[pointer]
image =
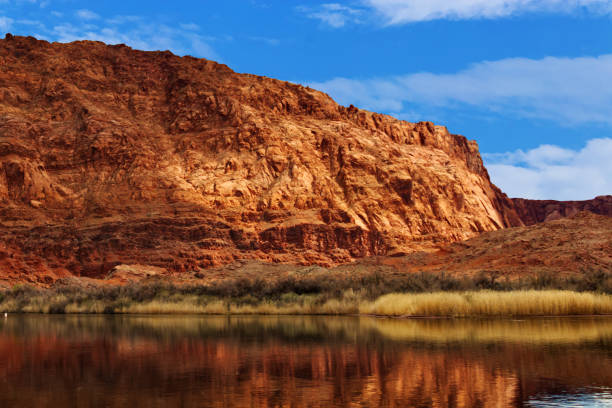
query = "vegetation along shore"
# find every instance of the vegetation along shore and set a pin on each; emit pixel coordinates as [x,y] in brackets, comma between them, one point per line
[414,295]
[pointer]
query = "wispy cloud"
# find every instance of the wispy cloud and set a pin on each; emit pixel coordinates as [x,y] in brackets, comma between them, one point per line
[565,90]
[332,14]
[138,33]
[395,12]
[118,20]
[5,23]
[85,14]
[411,11]
[189,26]
[553,172]
[41,3]
[152,34]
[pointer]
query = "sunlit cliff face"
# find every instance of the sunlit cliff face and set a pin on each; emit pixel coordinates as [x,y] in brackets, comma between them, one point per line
[118,152]
[215,362]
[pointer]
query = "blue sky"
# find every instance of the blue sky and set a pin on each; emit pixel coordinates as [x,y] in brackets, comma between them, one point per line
[528,79]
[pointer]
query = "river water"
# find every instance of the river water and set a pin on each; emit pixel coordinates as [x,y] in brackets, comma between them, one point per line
[189,361]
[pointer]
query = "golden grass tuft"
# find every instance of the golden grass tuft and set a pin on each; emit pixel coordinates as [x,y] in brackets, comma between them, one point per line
[489,303]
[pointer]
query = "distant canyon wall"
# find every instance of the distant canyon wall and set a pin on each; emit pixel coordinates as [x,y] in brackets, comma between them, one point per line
[536,211]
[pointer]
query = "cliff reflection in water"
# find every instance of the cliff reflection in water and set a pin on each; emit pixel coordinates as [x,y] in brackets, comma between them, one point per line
[298,361]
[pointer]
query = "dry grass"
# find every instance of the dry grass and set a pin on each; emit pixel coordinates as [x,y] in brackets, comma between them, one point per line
[489,303]
[162,300]
[183,307]
[290,305]
[330,307]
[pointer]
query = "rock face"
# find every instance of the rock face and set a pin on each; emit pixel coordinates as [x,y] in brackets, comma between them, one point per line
[114,156]
[535,211]
[573,245]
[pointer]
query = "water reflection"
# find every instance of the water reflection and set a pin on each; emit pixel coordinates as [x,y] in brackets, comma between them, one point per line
[92,361]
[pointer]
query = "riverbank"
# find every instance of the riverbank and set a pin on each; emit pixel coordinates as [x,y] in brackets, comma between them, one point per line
[167,299]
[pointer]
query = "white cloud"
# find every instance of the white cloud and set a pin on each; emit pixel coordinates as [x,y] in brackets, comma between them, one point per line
[190,26]
[5,24]
[30,22]
[410,11]
[201,48]
[20,2]
[565,90]
[393,12]
[87,15]
[138,33]
[116,20]
[375,94]
[552,172]
[333,14]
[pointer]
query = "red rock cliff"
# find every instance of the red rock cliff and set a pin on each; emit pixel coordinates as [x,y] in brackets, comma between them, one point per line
[535,211]
[110,155]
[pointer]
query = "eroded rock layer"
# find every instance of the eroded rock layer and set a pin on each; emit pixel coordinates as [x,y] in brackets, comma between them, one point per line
[566,247]
[535,211]
[114,156]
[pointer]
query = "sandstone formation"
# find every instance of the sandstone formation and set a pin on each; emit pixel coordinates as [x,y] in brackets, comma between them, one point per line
[563,247]
[113,156]
[120,164]
[535,211]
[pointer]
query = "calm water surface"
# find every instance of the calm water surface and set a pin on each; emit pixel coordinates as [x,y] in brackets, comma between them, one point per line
[141,361]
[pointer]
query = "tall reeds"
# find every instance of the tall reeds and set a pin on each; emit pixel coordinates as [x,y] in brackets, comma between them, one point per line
[490,303]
